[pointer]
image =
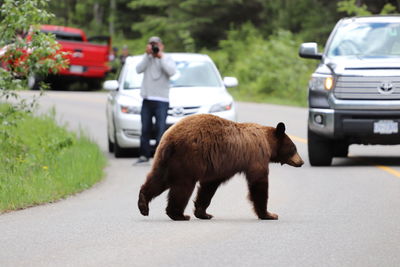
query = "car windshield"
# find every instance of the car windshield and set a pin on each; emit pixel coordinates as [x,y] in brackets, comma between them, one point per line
[363,39]
[188,74]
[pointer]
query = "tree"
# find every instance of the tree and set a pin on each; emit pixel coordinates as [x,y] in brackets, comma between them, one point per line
[192,24]
[25,51]
[365,8]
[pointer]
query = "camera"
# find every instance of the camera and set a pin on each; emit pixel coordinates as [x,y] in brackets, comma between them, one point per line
[155,49]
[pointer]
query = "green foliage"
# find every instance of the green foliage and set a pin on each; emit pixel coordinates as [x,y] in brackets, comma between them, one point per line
[42,162]
[35,154]
[351,8]
[18,16]
[25,52]
[266,69]
[310,19]
[193,24]
[388,9]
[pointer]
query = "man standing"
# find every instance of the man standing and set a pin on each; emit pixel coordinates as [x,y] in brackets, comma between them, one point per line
[157,68]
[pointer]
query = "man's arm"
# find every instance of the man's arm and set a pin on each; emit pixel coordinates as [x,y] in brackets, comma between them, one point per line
[168,65]
[141,67]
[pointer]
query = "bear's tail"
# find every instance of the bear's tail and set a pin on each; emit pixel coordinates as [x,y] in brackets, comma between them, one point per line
[156,181]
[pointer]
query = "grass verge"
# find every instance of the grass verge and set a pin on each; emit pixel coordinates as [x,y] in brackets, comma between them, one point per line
[42,162]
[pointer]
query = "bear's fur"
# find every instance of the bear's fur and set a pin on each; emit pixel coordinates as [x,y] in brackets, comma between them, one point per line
[210,150]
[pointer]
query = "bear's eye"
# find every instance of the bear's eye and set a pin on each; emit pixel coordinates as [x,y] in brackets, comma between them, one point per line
[287,151]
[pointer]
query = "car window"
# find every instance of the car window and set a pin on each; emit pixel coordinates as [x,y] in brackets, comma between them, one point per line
[366,40]
[188,74]
[66,36]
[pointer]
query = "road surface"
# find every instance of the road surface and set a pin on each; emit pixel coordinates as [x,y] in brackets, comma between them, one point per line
[344,215]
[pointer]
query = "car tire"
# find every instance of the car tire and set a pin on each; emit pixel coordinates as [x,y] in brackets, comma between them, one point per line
[136,152]
[119,152]
[94,84]
[34,82]
[341,149]
[320,150]
[110,145]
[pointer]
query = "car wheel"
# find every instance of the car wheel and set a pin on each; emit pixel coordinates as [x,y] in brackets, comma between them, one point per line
[94,84]
[119,152]
[341,148]
[320,150]
[34,82]
[136,152]
[110,145]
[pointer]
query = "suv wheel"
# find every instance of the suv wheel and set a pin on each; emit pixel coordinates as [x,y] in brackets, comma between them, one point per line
[118,151]
[320,150]
[341,148]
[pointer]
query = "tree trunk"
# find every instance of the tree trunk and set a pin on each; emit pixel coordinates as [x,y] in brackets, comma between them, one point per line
[111,26]
[98,13]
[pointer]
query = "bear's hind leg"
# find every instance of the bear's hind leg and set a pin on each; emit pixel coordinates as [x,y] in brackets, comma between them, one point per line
[259,197]
[204,195]
[151,189]
[178,199]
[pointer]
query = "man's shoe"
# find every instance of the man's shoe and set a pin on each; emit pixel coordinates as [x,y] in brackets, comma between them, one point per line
[141,159]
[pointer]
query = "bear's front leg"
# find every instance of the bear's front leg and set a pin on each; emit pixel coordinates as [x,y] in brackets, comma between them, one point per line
[259,197]
[269,216]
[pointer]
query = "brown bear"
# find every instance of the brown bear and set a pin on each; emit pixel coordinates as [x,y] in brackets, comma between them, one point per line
[210,150]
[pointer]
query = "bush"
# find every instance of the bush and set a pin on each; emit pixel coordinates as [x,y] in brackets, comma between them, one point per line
[268,70]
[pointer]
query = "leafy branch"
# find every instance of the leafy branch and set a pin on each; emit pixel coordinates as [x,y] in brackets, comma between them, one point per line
[24,52]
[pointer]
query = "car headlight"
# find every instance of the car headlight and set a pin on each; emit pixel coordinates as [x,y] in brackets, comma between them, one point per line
[221,107]
[323,82]
[130,109]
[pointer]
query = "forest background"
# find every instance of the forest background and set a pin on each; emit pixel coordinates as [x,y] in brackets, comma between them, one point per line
[256,41]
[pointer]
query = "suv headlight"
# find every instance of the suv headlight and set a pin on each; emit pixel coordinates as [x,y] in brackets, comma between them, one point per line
[130,109]
[221,107]
[321,82]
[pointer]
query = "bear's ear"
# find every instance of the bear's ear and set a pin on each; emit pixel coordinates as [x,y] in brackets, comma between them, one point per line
[280,129]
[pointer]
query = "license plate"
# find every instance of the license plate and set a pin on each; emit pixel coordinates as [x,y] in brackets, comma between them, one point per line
[386,127]
[76,69]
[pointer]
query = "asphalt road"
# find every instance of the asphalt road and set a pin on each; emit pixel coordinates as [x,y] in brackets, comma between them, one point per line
[344,215]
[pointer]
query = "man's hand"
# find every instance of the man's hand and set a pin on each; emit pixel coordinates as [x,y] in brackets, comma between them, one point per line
[158,55]
[149,51]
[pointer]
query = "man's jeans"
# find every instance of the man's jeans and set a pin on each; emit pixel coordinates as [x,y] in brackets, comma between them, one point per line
[150,109]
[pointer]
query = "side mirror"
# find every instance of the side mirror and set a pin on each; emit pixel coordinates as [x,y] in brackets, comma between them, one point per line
[111,85]
[309,50]
[230,82]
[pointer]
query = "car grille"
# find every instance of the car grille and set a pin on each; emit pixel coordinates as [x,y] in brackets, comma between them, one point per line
[358,87]
[182,111]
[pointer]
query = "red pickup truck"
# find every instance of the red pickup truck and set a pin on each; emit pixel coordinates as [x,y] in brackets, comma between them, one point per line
[88,57]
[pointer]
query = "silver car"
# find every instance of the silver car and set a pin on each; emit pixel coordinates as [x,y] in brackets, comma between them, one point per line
[197,87]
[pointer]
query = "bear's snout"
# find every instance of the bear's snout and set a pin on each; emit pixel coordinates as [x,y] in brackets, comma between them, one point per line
[295,160]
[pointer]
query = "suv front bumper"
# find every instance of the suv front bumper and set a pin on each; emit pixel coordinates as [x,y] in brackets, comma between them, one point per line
[357,126]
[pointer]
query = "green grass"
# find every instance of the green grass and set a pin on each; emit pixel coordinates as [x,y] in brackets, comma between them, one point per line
[42,162]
